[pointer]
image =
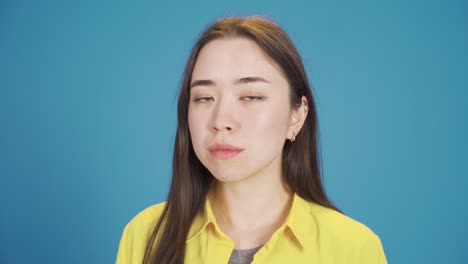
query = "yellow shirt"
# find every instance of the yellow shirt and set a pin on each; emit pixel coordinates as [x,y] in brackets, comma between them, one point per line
[310,234]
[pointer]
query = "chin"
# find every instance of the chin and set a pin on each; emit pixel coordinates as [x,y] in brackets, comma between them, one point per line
[227,177]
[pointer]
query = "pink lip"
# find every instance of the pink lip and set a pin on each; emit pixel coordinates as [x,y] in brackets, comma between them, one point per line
[224,151]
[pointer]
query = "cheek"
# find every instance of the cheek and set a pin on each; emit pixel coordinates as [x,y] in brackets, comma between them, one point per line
[268,124]
[196,126]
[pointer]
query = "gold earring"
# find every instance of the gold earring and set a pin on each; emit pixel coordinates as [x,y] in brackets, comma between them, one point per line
[293,137]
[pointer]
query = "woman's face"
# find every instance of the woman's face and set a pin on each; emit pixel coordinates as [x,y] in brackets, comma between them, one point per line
[238,99]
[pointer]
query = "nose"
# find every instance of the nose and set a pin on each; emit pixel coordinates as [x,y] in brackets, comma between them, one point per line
[223,118]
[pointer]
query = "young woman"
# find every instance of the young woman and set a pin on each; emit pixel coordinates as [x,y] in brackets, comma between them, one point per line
[246,184]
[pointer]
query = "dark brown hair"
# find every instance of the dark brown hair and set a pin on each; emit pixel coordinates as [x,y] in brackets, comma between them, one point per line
[191,180]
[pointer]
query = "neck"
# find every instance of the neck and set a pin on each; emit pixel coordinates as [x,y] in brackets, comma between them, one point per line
[250,205]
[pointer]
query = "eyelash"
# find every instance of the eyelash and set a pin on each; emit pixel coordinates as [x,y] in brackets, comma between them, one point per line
[201,99]
[250,99]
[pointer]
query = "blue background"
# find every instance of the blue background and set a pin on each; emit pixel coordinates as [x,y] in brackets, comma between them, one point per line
[88,115]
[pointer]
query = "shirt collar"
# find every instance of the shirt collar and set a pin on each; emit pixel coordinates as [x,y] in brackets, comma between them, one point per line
[201,221]
[299,220]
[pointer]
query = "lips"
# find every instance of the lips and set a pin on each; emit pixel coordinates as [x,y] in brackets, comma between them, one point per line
[224,151]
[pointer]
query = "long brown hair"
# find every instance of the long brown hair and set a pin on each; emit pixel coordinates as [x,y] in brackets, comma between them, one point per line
[191,180]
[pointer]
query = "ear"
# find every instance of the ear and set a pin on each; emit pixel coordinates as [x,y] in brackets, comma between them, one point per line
[298,117]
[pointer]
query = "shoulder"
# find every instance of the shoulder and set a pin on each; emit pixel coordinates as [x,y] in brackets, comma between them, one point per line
[353,238]
[344,238]
[135,235]
[147,217]
[340,226]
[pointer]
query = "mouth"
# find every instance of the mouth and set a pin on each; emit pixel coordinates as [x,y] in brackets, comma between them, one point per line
[224,151]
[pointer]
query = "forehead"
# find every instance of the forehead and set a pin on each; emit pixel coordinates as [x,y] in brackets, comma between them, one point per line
[234,58]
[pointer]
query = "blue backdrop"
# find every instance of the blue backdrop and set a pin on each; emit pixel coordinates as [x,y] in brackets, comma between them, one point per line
[88,115]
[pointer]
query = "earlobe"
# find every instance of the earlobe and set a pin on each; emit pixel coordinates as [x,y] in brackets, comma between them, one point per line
[293,137]
[298,118]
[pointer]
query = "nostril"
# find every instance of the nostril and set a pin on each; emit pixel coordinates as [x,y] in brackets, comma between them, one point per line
[220,128]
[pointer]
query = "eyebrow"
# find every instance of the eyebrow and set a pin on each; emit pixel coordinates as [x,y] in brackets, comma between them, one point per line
[243,80]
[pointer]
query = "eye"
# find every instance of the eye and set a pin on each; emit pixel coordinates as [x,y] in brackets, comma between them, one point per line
[252,98]
[202,99]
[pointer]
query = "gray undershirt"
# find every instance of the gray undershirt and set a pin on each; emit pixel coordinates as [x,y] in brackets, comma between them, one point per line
[243,256]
